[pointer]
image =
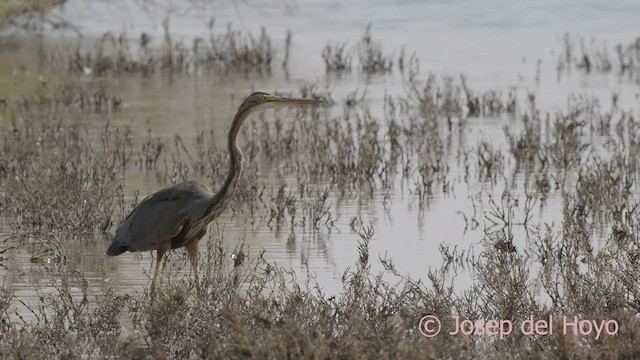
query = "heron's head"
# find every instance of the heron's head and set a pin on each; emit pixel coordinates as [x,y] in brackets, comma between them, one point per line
[260,100]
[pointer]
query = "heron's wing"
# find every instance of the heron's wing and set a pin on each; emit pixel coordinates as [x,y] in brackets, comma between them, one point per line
[159,215]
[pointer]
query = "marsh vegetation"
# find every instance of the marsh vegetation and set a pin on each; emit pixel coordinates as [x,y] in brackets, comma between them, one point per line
[67,154]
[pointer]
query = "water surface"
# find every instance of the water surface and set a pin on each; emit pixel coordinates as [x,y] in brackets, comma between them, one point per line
[497,44]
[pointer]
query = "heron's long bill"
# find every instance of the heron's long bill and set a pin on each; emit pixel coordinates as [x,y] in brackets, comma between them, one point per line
[285,101]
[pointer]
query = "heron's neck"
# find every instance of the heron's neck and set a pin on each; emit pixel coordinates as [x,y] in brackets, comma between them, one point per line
[224,195]
[235,155]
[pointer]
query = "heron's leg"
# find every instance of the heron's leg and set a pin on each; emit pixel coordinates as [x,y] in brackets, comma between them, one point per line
[163,248]
[160,251]
[192,250]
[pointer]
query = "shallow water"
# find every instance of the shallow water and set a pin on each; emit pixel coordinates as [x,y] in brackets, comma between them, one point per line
[496,43]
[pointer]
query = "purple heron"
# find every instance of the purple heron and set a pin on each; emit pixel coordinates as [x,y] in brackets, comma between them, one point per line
[179,216]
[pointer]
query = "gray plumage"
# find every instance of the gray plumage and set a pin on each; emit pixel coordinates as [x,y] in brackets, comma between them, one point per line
[159,215]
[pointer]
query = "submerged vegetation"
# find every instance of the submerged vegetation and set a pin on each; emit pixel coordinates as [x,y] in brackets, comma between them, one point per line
[596,57]
[12,8]
[62,181]
[231,51]
[338,58]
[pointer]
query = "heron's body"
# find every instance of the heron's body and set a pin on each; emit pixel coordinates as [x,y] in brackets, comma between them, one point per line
[181,206]
[179,216]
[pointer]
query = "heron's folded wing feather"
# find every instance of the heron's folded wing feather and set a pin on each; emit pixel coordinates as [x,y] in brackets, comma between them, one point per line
[159,215]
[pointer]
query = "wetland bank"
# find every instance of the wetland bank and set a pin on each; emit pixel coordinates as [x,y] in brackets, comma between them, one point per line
[438,183]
